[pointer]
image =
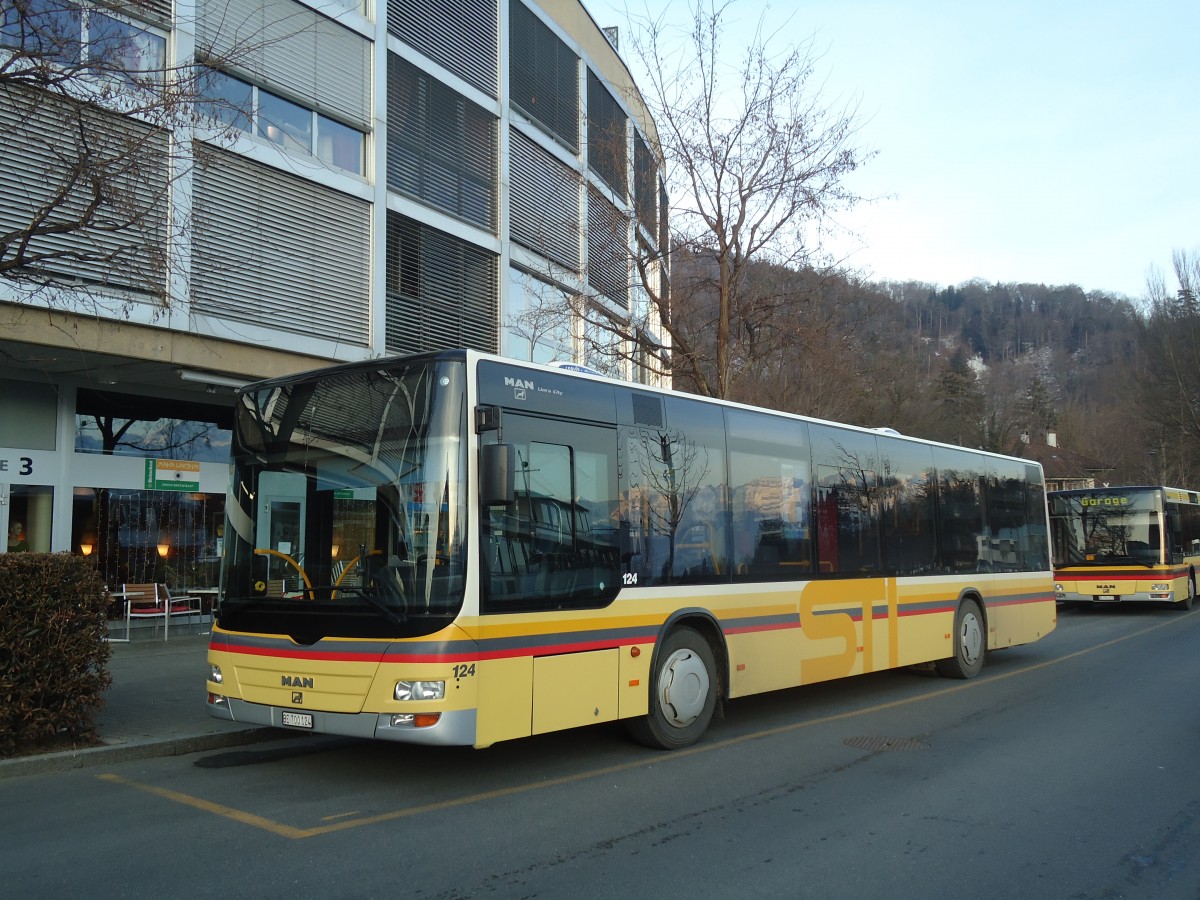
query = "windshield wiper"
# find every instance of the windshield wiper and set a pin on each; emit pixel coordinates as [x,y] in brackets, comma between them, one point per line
[396,618]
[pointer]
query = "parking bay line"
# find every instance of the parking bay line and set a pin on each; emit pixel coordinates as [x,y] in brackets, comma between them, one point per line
[293,833]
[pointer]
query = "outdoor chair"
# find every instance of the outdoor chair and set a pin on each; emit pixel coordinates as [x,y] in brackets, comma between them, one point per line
[154,601]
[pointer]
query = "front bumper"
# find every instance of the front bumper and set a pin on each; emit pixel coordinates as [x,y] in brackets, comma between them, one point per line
[455,728]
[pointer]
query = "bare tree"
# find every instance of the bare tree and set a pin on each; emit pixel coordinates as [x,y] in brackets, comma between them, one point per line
[755,162]
[85,126]
[97,120]
[1170,377]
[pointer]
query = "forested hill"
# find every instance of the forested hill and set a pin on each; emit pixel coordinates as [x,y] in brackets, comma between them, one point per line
[1001,322]
[993,362]
[975,364]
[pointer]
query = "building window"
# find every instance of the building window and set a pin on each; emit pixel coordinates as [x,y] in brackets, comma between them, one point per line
[49,29]
[285,123]
[537,320]
[460,36]
[169,537]
[64,33]
[264,237]
[608,151]
[297,129]
[543,77]
[441,147]
[339,145]
[608,250]
[228,100]
[543,202]
[123,425]
[121,46]
[645,186]
[603,345]
[441,291]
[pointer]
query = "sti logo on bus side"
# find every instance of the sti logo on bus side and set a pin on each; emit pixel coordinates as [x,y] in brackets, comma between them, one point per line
[300,681]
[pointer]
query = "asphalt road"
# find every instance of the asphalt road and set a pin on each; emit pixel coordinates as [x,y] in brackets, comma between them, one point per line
[1066,770]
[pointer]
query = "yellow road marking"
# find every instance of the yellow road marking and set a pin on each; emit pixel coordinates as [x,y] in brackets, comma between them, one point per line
[228,812]
[288,831]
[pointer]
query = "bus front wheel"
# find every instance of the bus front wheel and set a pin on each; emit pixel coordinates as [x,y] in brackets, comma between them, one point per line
[1186,602]
[683,693]
[970,642]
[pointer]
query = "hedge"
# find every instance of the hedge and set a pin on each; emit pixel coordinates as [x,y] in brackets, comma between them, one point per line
[53,656]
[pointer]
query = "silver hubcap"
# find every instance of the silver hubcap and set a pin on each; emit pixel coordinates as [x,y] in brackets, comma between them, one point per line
[970,638]
[683,688]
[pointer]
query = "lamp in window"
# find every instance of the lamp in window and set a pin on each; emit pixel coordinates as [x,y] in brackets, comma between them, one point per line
[334,550]
[164,547]
[85,547]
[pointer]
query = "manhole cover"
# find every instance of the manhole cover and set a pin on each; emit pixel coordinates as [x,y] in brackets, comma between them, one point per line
[879,744]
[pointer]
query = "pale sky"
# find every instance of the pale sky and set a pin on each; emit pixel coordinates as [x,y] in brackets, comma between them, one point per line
[1044,141]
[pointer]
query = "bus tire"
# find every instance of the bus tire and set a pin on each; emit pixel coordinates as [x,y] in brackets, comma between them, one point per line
[683,693]
[970,643]
[1186,602]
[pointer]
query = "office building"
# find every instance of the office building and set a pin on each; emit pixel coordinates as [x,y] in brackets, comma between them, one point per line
[332,181]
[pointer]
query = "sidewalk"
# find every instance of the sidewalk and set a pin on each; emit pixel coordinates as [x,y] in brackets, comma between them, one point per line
[155,707]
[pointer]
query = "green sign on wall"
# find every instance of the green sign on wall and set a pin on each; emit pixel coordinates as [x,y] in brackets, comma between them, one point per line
[172,475]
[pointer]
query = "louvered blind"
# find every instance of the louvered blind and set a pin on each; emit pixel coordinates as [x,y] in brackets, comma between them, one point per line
[441,147]
[608,249]
[460,36]
[645,186]
[543,75]
[664,233]
[155,12]
[281,44]
[47,143]
[664,245]
[279,251]
[441,291]
[608,153]
[543,202]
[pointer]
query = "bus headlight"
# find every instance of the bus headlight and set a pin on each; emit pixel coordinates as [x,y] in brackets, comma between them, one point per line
[1160,587]
[420,690]
[214,674]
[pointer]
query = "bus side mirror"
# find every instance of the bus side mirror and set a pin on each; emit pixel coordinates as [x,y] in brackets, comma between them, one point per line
[497,474]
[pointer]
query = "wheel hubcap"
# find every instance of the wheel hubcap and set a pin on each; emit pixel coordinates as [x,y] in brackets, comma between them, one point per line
[971,638]
[683,688]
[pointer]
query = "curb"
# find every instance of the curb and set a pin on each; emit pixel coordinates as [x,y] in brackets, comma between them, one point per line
[67,760]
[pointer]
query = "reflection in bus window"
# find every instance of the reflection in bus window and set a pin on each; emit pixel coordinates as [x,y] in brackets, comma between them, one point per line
[555,546]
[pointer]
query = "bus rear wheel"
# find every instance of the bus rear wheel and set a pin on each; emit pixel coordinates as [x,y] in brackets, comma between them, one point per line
[683,693]
[970,642]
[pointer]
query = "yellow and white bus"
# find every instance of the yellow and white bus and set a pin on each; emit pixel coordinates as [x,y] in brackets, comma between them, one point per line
[459,549]
[1126,545]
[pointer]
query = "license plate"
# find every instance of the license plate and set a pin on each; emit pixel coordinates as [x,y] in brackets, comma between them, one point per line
[298,720]
[1106,597]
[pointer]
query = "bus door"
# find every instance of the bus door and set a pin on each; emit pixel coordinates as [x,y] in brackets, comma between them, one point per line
[554,548]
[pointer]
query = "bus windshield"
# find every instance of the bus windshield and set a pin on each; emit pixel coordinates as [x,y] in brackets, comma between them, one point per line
[347,509]
[1102,529]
